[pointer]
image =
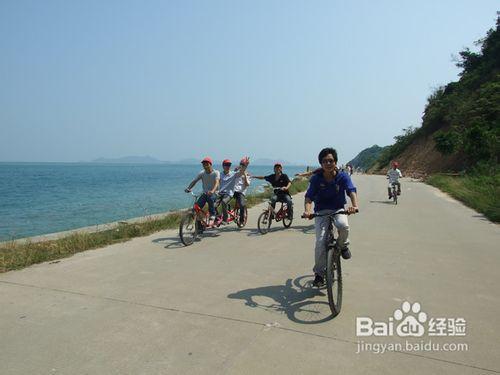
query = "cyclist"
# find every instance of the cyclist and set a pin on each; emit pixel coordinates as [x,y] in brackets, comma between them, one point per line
[210,180]
[241,183]
[281,184]
[393,175]
[226,189]
[327,190]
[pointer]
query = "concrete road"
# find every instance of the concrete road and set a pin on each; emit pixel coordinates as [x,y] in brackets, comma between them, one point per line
[241,303]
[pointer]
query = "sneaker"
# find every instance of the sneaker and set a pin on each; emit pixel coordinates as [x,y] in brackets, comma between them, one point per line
[346,254]
[318,281]
[390,196]
[399,193]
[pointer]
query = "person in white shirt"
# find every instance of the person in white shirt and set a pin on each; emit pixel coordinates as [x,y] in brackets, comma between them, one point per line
[393,175]
[227,180]
[241,183]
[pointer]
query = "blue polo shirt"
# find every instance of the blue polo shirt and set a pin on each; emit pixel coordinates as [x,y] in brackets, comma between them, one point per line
[329,195]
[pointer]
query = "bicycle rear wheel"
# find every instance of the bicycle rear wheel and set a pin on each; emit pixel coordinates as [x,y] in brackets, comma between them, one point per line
[287,221]
[264,222]
[188,229]
[334,281]
[240,223]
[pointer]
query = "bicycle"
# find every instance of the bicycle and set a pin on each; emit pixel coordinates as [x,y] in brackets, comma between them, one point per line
[194,223]
[333,264]
[265,218]
[232,215]
[394,193]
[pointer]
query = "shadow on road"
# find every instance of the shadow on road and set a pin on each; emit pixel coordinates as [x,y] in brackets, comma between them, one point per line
[306,229]
[294,298]
[383,202]
[175,242]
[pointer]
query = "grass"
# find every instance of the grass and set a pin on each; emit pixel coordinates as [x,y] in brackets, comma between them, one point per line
[16,255]
[480,192]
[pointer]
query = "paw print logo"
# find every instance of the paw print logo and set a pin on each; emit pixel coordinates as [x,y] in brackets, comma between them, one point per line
[411,319]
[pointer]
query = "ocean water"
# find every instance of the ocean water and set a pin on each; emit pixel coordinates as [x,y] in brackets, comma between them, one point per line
[42,198]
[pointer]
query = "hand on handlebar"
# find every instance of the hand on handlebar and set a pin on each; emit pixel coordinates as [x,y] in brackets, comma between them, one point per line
[187,190]
[352,210]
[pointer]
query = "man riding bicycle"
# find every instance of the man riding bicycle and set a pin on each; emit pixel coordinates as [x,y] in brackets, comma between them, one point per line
[210,180]
[393,175]
[327,189]
[226,189]
[281,183]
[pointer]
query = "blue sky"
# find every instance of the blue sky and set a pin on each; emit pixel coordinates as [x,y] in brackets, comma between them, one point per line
[181,79]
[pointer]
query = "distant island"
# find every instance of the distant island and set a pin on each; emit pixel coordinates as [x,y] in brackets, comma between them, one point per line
[129,160]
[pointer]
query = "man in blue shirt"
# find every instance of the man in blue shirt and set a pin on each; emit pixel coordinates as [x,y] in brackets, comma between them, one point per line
[327,189]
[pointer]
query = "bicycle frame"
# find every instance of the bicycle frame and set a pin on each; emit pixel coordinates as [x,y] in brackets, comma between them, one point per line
[280,214]
[202,216]
[395,192]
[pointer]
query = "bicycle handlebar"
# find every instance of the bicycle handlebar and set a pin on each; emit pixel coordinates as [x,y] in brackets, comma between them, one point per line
[312,216]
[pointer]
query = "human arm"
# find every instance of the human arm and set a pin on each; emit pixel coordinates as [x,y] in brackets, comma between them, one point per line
[246,179]
[188,189]
[307,208]
[309,197]
[352,193]
[288,184]
[354,203]
[216,185]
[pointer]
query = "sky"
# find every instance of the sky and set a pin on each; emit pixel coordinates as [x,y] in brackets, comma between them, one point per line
[81,80]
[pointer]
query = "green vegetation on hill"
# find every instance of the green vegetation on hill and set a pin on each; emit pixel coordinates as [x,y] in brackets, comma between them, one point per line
[465,115]
[391,152]
[367,158]
[463,119]
[480,192]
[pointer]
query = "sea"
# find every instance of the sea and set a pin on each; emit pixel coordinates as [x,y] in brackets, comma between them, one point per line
[43,198]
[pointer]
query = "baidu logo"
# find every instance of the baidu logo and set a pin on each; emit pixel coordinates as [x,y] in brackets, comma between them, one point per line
[410,325]
[410,321]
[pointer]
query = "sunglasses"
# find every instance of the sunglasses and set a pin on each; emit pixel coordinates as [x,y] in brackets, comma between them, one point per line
[327,161]
[226,165]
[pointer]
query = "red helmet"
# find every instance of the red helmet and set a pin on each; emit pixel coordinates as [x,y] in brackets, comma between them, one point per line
[208,159]
[245,161]
[226,162]
[395,164]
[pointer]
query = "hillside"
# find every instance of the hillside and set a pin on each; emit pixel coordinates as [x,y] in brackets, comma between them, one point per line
[461,122]
[367,158]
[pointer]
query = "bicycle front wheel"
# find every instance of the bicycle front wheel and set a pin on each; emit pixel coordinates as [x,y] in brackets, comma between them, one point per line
[264,222]
[334,281]
[188,229]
